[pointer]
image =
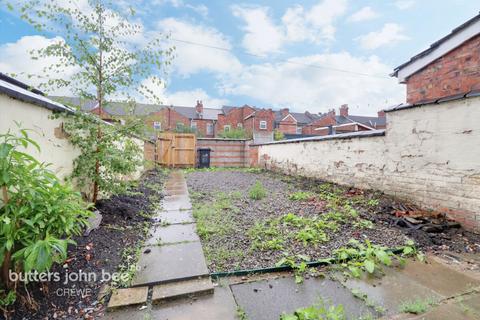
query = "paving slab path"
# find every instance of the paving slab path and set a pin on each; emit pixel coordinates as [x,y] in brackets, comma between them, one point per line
[172,263]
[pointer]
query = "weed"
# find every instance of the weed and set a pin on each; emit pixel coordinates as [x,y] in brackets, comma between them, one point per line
[257,192]
[298,263]
[317,311]
[417,306]
[301,196]
[363,224]
[241,314]
[368,257]
[372,202]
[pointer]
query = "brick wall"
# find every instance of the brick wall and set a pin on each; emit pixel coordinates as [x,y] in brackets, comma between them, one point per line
[226,152]
[168,118]
[454,73]
[429,155]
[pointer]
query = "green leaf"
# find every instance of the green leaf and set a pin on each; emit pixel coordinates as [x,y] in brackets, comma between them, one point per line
[407,251]
[383,257]
[354,271]
[369,265]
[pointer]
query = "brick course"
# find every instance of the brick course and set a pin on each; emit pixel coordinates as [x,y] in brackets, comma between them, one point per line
[456,72]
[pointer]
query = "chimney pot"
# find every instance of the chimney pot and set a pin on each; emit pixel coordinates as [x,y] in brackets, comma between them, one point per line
[381,114]
[344,110]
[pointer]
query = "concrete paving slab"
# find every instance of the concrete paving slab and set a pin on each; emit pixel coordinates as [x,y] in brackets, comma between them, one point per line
[127,297]
[171,234]
[472,302]
[174,192]
[446,312]
[127,313]
[439,278]
[174,205]
[268,299]
[174,217]
[188,288]
[171,262]
[391,290]
[219,306]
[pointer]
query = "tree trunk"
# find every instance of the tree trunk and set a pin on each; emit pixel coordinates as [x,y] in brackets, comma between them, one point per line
[99,100]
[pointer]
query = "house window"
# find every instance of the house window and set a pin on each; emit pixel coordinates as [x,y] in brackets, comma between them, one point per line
[299,130]
[226,128]
[193,125]
[263,125]
[209,129]
[240,125]
[157,125]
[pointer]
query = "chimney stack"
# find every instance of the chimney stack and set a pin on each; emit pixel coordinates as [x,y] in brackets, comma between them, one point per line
[331,113]
[199,109]
[344,110]
[285,112]
[381,114]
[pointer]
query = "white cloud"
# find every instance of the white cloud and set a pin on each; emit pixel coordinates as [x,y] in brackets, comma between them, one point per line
[15,58]
[183,97]
[201,9]
[191,58]
[303,87]
[390,34]
[189,98]
[404,4]
[364,14]
[263,35]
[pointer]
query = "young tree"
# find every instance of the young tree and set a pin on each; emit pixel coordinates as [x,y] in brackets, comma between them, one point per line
[108,57]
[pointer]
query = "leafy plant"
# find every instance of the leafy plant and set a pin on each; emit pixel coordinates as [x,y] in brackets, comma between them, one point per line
[241,314]
[104,161]
[300,196]
[257,192]
[318,311]
[298,263]
[38,214]
[368,257]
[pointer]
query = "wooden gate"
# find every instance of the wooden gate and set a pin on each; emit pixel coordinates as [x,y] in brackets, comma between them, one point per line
[176,149]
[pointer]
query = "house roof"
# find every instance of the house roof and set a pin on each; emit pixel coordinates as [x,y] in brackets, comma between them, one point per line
[21,91]
[301,118]
[369,121]
[454,39]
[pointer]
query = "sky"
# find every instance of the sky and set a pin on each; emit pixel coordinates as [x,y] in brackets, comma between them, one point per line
[306,55]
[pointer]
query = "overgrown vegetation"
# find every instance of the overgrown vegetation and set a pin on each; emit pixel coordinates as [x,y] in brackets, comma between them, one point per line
[358,257]
[257,192]
[38,214]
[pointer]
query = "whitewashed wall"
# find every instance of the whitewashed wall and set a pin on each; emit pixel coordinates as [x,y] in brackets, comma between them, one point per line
[59,152]
[54,150]
[429,155]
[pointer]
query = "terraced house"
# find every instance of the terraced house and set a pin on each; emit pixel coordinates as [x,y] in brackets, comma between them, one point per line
[256,123]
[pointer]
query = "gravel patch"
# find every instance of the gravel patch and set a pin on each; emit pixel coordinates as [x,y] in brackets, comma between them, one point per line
[233,250]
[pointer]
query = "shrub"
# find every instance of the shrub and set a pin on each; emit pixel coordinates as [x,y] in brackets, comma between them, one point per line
[278,135]
[38,214]
[257,192]
[237,133]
